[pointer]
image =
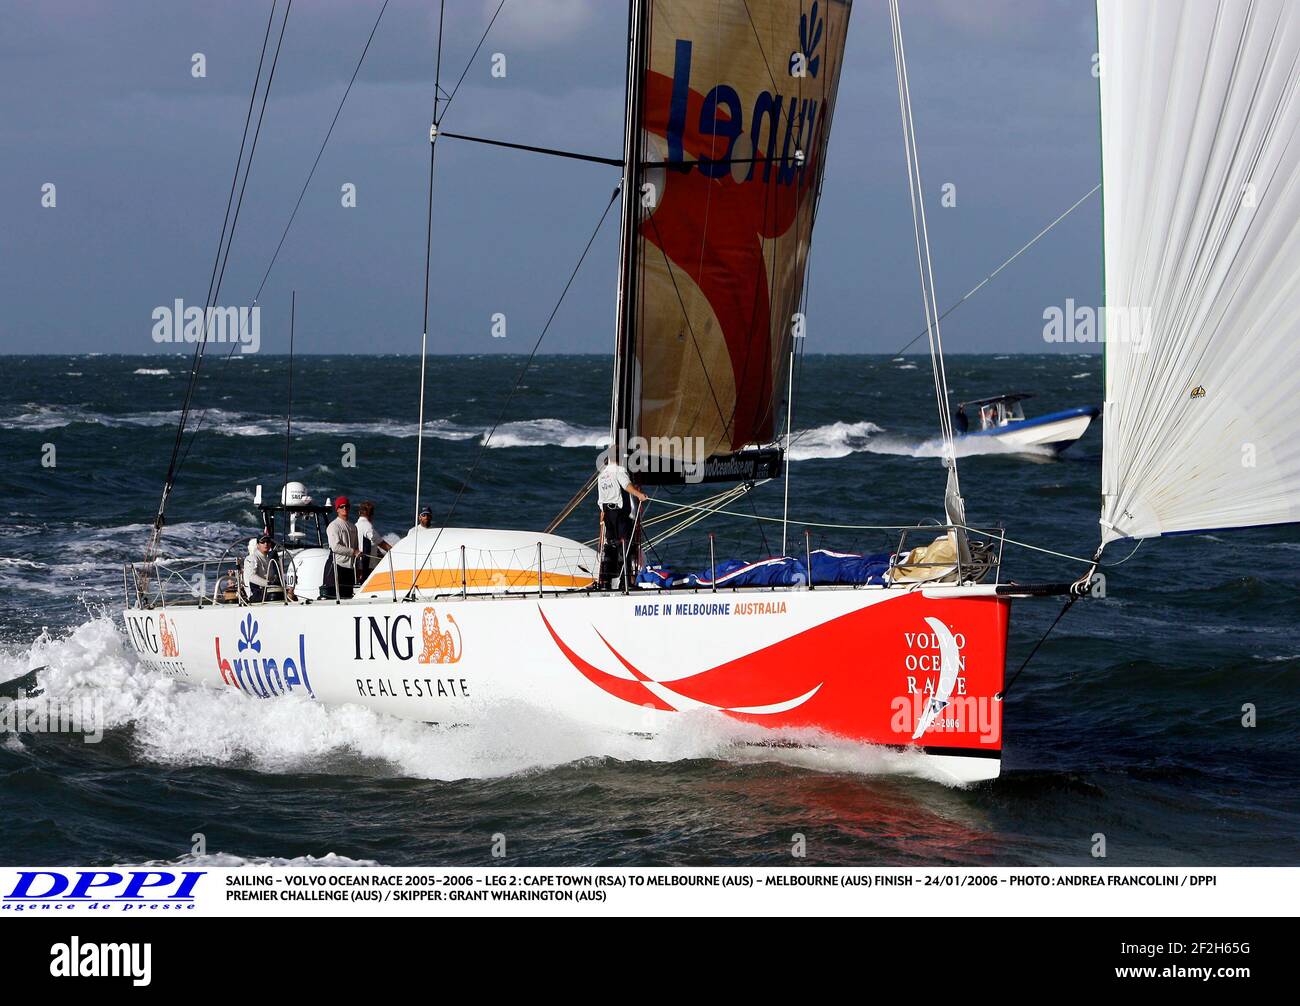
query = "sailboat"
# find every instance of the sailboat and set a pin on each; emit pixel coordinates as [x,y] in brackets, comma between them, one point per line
[729,107]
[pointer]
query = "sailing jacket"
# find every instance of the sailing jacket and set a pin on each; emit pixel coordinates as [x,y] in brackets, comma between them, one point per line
[343,542]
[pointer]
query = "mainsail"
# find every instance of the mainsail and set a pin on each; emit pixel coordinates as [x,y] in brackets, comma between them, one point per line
[1201,176]
[734,101]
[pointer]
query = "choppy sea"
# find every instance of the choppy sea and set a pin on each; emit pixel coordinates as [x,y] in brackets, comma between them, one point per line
[1129,722]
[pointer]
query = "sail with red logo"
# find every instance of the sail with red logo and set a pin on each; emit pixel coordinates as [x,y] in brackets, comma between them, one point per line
[734,101]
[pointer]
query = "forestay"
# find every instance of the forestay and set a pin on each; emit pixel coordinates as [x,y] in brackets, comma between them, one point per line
[1201,175]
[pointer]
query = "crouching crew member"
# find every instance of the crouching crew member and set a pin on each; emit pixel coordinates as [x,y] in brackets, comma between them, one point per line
[262,571]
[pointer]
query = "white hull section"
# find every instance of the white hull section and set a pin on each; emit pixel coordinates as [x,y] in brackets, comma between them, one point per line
[1057,434]
[870,665]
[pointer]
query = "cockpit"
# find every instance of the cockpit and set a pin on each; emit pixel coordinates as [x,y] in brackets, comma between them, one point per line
[990,413]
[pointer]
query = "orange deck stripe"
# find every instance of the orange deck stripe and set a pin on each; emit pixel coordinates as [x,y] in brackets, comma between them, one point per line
[434,579]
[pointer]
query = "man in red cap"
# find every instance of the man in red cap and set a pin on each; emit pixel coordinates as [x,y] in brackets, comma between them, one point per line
[345,547]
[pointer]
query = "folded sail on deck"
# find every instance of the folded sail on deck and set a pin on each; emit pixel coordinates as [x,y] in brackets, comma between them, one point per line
[735,117]
[1200,104]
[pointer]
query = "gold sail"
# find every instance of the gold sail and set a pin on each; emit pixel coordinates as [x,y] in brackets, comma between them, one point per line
[735,117]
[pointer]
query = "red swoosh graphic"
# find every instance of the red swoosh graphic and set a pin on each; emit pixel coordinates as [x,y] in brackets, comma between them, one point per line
[713,687]
[854,669]
[629,691]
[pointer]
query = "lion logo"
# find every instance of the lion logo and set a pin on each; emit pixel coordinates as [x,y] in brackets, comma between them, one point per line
[167,636]
[439,646]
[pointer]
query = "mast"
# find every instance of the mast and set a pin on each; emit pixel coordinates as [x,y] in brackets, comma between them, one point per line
[622,399]
[428,260]
[288,412]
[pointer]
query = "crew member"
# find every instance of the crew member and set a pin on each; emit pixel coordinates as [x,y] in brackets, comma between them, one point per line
[613,487]
[261,571]
[425,518]
[344,547]
[373,547]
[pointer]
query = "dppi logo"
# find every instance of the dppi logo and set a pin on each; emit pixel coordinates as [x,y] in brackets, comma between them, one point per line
[261,675]
[394,638]
[95,888]
[721,114]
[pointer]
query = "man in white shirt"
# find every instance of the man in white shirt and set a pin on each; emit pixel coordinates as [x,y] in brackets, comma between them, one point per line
[613,486]
[261,571]
[344,547]
[373,547]
[423,520]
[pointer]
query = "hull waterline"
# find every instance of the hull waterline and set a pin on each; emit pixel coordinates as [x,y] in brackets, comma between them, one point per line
[1054,434]
[904,668]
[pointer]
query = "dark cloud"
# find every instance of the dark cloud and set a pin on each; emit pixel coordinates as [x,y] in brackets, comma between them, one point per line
[100,101]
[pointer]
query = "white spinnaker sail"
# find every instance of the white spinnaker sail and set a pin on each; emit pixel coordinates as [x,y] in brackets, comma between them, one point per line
[1200,104]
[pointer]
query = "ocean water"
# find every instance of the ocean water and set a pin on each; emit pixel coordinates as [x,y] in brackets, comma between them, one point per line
[1128,723]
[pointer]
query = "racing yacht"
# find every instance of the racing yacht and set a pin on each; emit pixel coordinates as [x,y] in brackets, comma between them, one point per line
[729,106]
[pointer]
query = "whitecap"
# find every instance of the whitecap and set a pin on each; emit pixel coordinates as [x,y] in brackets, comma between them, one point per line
[547,433]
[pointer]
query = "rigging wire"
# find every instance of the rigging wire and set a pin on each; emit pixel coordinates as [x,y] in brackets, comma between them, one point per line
[248,168]
[487,438]
[473,56]
[982,283]
[1061,614]
[330,132]
[428,240]
[227,234]
[324,143]
[925,264]
[894,527]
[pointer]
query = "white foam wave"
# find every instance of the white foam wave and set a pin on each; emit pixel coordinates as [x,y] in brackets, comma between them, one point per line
[53,417]
[330,860]
[836,440]
[963,447]
[547,433]
[523,433]
[151,371]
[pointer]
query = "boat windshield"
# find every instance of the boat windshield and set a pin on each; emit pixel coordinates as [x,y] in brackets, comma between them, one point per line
[995,414]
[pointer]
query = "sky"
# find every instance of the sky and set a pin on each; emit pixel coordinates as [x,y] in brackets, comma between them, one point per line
[100,101]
